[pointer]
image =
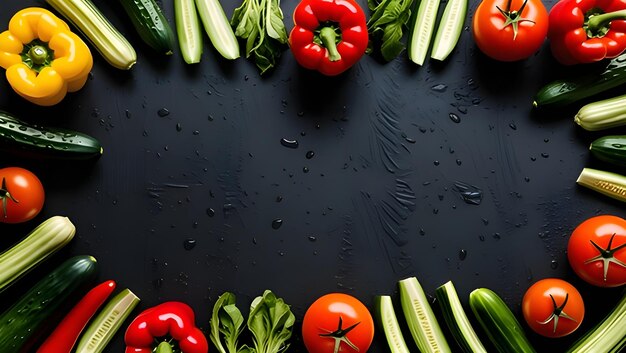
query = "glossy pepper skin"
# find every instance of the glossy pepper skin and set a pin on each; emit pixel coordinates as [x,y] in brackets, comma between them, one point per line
[329,35]
[585,31]
[173,319]
[43,59]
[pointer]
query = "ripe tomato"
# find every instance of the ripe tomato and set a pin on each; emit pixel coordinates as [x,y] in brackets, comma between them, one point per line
[553,307]
[597,251]
[510,30]
[335,323]
[21,195]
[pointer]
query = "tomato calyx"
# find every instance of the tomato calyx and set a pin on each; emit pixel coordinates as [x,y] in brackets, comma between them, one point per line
[607,256]
[5,195]
[340,335]
[557,313]
[513,17]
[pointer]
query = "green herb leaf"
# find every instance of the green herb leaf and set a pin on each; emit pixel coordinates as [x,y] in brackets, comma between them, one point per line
[389,19]
[227,323]
[271,323]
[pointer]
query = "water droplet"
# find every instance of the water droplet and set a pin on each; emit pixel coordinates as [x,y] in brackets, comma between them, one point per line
[439,88]
[279,198]
[554,264]
[513,126]
[526,179]
[496,235]
[289,143]
[459,162]
[305,169]
[462,254]
[422,232]
[545,155]
[179,127]
[310,154]
[128,114]
[189,244]
[312,238]
[210,212]
[471,194]
[277,223]
[163,112]
[436,162]
[481,237]
[455,118]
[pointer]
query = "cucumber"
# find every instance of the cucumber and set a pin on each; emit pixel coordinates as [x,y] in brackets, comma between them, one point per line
[567,91]
[104,326]
[20,137]
[422,32]
[107,40]
[386,316]
[501,326]
[607,183]
[450,28]
[25,318]
[604,114]
[608,336]
[151,24]
[43,241]
[188,30]
[611,149]
[420,318]
[457,321]
[218,28]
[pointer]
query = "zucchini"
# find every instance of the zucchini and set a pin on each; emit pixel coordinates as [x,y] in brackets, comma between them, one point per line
[609,336]
[567,91]
[104,326]
[420,318]
[607,183]
[602,114]
[383,310]
[151,24]
[218,28]
[107,40]
[450,28]
[188,30]
[422,30]
[501,326]
[457,321]
[24,319]
[43,241]
[17,136]
[611,149]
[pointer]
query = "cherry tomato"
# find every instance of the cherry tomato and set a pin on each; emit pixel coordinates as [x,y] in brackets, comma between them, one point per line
[21,195]
[597,251]
[335,323]
[510,30]
[553,307]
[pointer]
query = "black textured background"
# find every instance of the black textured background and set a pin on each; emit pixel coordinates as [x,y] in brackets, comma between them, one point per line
[375,204]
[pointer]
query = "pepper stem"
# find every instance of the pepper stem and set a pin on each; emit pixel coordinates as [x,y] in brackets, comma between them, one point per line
[164,347]
[328,35]
[38,54]
[598,25]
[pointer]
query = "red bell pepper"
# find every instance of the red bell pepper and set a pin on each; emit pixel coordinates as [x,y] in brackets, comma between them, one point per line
[585,31]
[329,35]
[173,319]
[64,336]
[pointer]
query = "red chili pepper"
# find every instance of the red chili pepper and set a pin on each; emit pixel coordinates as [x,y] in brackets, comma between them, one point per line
[585,31]
[329,35]
[170,318]
[64,336]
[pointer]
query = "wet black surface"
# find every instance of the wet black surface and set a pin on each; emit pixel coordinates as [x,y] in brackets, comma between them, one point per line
[214,179]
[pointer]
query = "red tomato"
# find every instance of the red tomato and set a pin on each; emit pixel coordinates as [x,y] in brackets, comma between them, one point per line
[597,251]
[337,322]
[21,195]
[553,307]
[498,39]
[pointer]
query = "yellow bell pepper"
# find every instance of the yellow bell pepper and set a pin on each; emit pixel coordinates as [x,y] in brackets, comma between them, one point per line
[43,59]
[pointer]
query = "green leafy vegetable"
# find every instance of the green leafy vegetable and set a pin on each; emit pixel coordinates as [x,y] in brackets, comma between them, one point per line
[227,322]
[389,19]
[271,323]
[260,24]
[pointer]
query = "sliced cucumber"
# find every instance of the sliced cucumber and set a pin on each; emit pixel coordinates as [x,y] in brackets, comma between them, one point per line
[423,30]
[102,329]
[457,321]
[188,30]
[389,323]
[421,319]
[218,28]
[450,28]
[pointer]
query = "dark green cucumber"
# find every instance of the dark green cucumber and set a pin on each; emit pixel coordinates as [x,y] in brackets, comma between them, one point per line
[152,26]
[611,149]
[563,92]
[17,136]
[24,319]
[501,326]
